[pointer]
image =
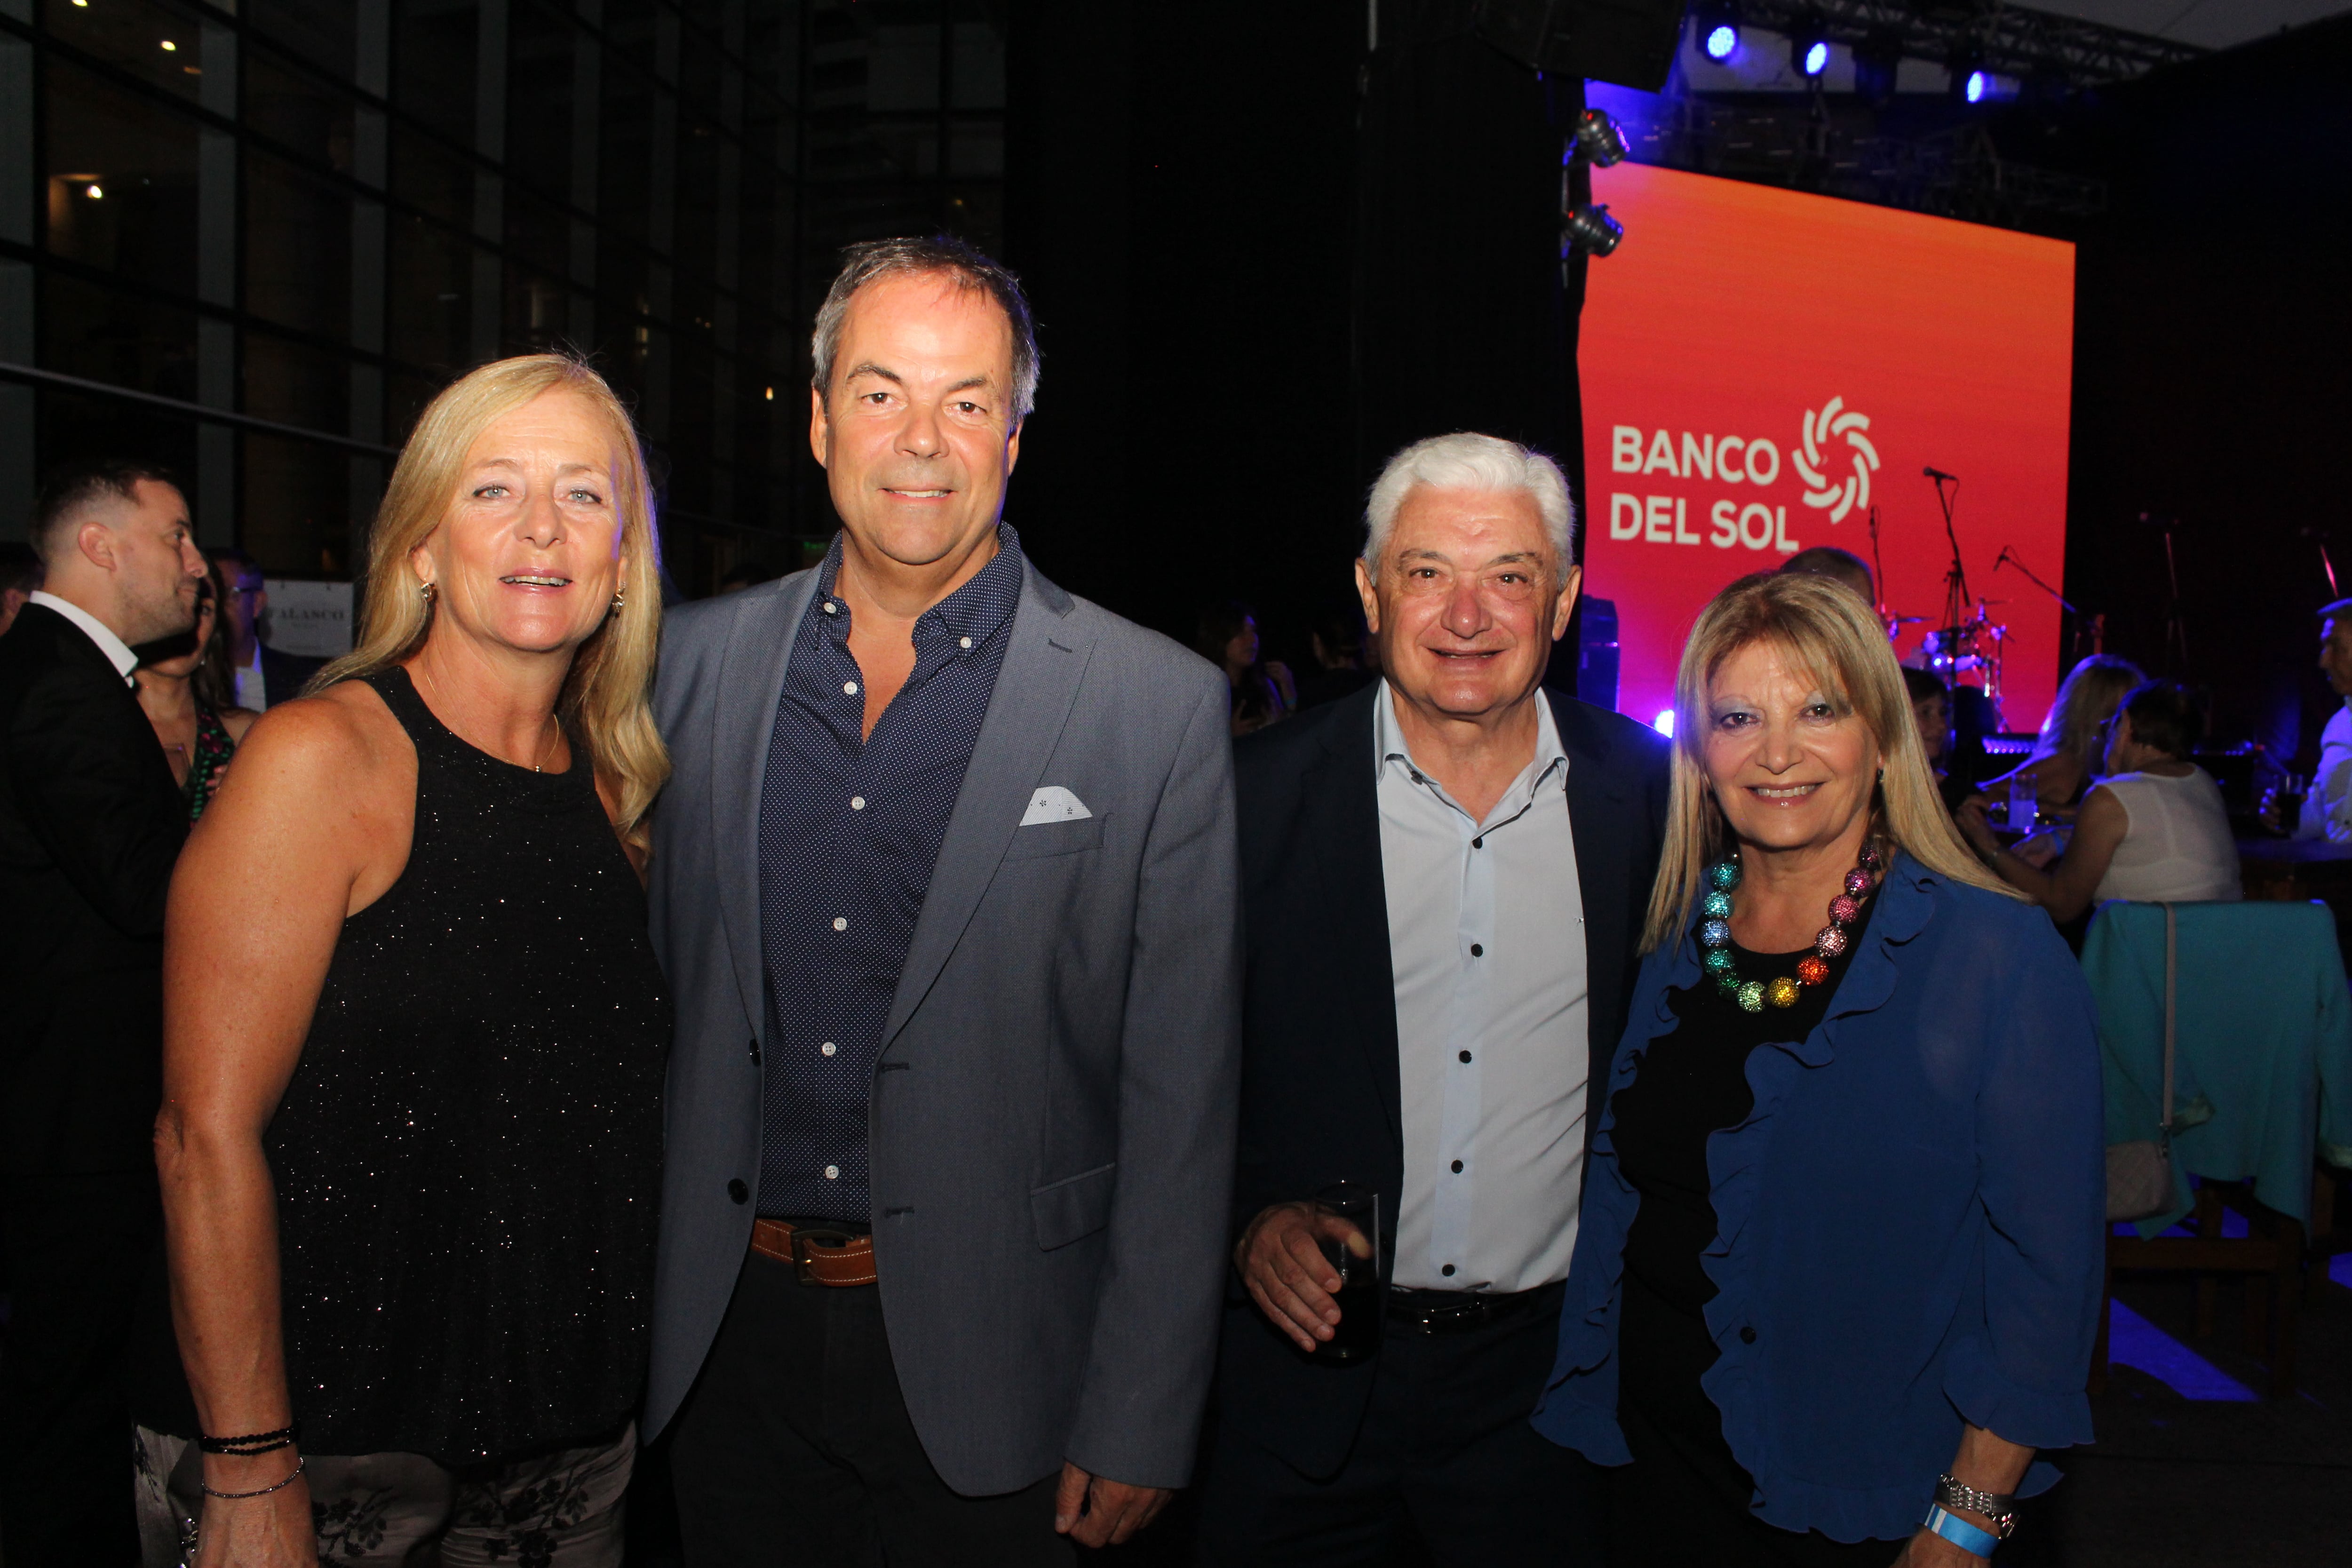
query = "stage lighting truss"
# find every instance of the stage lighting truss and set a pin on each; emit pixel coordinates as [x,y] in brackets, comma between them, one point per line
[1588,229]
[1598,140]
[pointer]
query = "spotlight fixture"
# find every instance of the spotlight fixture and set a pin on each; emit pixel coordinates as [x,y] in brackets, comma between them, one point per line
[1971,83]
[1717,24]
[1599,141]
[1809,45]
[95,193]
[1664,722]
[1589,229]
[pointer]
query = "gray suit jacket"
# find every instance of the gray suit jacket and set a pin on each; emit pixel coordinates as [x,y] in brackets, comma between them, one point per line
[1053,1101]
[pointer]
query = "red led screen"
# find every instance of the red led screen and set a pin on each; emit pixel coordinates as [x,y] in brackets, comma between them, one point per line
[1761,369]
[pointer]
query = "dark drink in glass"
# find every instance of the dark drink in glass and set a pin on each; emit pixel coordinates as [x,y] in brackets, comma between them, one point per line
[1356,1259]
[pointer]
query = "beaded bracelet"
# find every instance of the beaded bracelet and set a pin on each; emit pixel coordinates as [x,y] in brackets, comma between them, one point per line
[252,1444]
[300,1464]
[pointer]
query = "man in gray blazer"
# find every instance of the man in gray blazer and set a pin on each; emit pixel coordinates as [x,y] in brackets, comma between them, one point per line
[945,885]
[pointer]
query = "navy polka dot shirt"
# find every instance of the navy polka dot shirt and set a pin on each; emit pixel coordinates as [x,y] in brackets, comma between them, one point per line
[850,827]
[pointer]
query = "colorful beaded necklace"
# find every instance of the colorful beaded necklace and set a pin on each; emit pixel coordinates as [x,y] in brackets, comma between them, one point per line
[1782,991]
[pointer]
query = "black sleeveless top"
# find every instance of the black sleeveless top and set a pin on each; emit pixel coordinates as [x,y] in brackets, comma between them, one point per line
[468,1155]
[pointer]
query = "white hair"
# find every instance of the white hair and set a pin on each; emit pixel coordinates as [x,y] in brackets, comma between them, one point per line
[1468,461]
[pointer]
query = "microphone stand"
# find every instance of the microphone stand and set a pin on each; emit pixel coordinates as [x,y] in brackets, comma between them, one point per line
[2010,558]
[1956,580]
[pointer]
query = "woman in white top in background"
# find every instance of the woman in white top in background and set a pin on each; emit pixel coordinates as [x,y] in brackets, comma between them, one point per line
[2154,829]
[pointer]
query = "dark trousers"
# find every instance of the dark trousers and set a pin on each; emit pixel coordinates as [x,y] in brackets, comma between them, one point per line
[796,1448]
[1445,1453]
[77,1249]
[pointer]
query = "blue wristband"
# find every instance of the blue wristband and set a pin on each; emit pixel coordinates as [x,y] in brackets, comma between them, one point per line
[1960,1533]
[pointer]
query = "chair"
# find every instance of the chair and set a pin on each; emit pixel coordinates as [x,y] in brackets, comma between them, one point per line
[2262,1082]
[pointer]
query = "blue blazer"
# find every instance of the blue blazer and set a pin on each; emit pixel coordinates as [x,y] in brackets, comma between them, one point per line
[1911,1220]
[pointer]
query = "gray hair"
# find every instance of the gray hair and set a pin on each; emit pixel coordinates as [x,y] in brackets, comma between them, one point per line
[1468,461]
[942,254]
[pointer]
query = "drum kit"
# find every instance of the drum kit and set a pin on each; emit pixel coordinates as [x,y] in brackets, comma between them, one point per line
[1968,654]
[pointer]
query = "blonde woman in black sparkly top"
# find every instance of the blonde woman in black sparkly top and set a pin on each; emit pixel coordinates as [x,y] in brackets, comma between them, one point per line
[415,1034]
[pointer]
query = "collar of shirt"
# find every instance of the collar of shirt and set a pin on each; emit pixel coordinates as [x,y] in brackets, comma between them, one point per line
[957,623]
[118,652]
[1391,754]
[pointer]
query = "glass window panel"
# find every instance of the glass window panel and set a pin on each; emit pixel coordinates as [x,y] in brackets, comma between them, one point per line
[538,311]
[902,68]
[700,64]
[624,163]
[975,209]
[295,508]
[121,173]
[321,31]
[433,65]
[113,335]
[294,384]
[429,284]
[427,174]
[978,67]
[404,398]
[772,43]
[297,247]
[537,233]
[163,44]
[539,99]
[73,427]
[977,148]
[297,110]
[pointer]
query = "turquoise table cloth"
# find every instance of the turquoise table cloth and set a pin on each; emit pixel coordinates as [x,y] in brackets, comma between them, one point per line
[2262,1059]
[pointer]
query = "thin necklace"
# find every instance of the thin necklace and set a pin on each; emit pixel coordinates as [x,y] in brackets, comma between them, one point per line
[1782,991]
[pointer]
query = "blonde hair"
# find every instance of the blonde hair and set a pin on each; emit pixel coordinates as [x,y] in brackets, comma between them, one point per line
[1823,628]
[605,698]
[2086,699]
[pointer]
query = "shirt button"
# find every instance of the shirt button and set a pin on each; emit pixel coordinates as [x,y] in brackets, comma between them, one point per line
[831,608]
[1748,1335]
[833,1173]
[964,642]
[858,802]
[1457,1167]
[1479,842]
[1447,1271]
[829,1048]
[839,924]
[849,689]
[1478,949]
[1465,1055]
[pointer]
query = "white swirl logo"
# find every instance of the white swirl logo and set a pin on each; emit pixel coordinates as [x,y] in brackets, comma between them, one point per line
[1839,497]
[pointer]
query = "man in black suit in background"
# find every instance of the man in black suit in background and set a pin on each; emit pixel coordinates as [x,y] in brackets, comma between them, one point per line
[1444,877]
[264,676]
[90,824]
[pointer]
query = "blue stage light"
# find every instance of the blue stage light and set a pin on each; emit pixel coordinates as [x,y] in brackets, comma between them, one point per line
[1817,59]
[1664,722]
[1721,40]
[1980,84]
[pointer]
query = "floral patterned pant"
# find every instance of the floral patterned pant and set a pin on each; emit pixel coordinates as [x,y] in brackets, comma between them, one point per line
[403,1510]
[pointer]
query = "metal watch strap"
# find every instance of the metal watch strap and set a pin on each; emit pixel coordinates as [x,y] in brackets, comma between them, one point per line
[1999,1507]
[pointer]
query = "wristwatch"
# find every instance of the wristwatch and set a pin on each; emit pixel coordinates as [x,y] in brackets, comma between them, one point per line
[1999,1507]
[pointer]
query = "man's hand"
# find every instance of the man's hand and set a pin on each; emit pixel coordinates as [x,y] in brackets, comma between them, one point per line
[1282,1262]
[1095,1510]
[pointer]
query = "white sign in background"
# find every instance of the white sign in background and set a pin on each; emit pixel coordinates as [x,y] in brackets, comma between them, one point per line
[312,619]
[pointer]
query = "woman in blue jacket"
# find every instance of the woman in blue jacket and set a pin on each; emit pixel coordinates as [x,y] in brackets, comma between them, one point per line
[1839,1270]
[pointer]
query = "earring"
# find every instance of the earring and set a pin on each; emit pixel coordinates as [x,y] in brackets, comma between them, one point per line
[428,591]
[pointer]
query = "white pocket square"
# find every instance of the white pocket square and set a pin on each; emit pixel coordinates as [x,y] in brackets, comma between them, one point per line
[1052,803]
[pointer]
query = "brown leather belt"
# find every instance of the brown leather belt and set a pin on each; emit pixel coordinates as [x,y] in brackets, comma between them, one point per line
[819,1255]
